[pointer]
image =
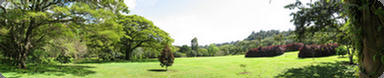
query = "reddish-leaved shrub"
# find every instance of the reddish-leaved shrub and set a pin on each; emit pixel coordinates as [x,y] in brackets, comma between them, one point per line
[293,46]
[318,50]
[265,51]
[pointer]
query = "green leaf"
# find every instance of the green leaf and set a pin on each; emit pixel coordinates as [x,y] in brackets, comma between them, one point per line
[382,59]
[379,12]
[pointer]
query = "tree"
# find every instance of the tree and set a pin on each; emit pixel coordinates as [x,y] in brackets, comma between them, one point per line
[140,32]
[166,58]
[278,38]
[312,19]
[194,46]
[366,18]
[226,49]
[28,24]
[203,52]
[346,38]
[262,34]
[185,49]
[213,49]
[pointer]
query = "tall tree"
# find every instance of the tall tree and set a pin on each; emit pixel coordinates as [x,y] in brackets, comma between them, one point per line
[28,23]
[367,19]
[140,32]
[312,18]
[194,46]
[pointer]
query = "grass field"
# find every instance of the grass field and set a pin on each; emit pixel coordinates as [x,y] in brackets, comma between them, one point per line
[284,66]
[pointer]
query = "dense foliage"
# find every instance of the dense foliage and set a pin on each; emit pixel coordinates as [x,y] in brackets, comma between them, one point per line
[358,23]
[29,25]
[366,19]
[140,32]
[50,31]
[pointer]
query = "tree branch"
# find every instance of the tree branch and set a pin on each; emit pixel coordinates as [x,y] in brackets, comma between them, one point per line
[41,38]
[49,4]
[55,21]
[3,8]
[140,43]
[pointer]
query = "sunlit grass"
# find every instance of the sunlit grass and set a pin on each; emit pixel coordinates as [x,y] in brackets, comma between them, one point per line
[199,67]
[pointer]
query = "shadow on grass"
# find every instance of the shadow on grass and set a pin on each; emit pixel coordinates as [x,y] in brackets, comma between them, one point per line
[56,70]
[88,61]
[323,70]
[157,70]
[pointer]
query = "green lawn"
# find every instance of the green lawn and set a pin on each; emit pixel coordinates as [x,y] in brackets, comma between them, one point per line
[285,66]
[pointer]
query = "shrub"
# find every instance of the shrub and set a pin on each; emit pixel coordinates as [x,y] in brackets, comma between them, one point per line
[64,58]
[293,47]
[341,50]
[265,51]
[179,54]
[192,53]
[203,52]
[166,57]
[318,50]
[39,56]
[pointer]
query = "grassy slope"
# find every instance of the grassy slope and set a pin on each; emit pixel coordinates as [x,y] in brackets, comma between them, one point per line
[201,67]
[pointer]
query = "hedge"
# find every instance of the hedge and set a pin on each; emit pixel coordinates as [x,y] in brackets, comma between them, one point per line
[318,50]
[293,46]
[265,51]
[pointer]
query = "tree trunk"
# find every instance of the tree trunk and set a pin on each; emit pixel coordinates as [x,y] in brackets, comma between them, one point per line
[372,38]
[23,56]
[128,54]
[22,62]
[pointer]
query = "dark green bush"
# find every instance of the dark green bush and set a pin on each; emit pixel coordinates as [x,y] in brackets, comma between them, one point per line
[342,50]
[64,58]
[39,56]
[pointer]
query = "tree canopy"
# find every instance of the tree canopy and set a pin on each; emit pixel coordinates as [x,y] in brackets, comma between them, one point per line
[140,32]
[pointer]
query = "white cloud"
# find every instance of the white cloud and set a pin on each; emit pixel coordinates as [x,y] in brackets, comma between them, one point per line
[131,4]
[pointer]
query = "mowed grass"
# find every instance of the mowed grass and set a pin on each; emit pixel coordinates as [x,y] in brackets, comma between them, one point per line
[287,65]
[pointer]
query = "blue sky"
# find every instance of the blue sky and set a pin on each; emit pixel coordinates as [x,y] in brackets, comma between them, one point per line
[213,21]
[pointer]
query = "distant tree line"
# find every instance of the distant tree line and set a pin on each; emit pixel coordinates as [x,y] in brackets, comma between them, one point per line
[254,40]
